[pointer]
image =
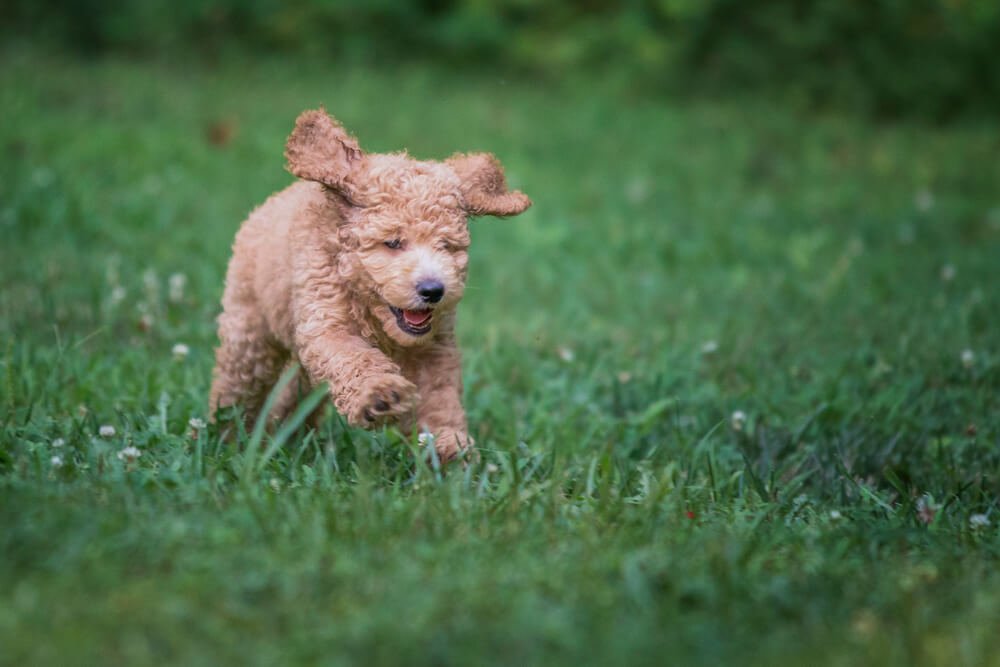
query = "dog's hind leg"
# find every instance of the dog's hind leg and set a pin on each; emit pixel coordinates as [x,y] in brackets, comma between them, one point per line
[248,363]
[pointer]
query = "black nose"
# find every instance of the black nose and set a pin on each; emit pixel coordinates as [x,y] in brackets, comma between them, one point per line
[430,291]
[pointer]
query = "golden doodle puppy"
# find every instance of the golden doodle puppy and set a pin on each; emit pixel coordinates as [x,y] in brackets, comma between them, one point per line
[354,272]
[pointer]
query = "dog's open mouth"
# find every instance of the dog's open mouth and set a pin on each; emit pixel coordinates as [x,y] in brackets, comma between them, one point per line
[413,322]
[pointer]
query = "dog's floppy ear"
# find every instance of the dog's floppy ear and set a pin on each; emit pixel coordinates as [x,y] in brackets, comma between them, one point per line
[483,188]
[319,149]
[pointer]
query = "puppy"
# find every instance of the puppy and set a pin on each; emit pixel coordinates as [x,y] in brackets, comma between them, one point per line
[354,272]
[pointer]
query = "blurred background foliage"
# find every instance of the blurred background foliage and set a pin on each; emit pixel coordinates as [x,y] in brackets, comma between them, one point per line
[929,59]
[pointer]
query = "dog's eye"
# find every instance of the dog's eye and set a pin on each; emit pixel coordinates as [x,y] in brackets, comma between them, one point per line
[394,244]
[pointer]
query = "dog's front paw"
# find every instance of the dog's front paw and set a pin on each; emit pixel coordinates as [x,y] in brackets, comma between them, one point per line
[380,398]
[452,445]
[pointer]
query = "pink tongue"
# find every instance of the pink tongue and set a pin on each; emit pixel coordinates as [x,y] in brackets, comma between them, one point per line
[416,317]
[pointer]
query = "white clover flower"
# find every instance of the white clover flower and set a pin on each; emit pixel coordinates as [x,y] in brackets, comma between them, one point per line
[927,509]
[56,461]
[58,442]
[146,322]
[979,521]
[197,423]
[565,353]
[624,377]
[129,454]
[176,284]
[637,190]
[948,273]
[425,438]
[106,431]
[836,515]
[968,358]
[738,420]
[924,200]
[180,351]
[275,484]
[118,294]
[710,347]
[150,281]
[492,468]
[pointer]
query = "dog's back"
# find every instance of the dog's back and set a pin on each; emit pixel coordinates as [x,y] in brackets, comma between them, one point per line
[260,271]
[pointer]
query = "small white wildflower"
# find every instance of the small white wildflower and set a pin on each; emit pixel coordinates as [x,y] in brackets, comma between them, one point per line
[106,431]
[129,454]
[492,468]
[197,423]
[637,190]
[710,347]
[150,282]
[738,420]
[968,358]
[146,322]
[979,521]
[118,294]
[948,273]
[425,438]
[927,509]
[58,442]
[180,351]
[924,200]
[56,461]
[275,484]
[836,515]
[176,284]
[565,353]
[624,377]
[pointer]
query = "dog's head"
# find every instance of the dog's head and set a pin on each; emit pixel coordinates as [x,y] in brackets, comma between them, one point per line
[403,223]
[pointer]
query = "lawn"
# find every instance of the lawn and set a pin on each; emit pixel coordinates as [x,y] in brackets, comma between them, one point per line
[734,378]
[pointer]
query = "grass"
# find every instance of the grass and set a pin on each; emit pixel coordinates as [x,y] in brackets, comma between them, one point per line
[684,261]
